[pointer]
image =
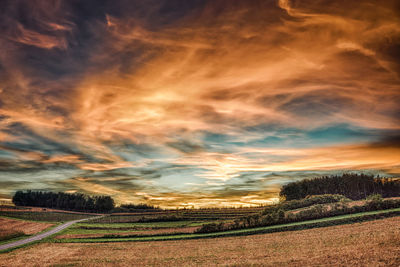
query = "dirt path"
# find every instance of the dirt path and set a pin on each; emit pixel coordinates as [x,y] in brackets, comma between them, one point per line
[42,235]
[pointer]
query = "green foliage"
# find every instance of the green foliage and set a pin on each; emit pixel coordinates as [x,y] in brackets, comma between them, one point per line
[181,214]
[278,216]
[375,197]
[77,202]
[338,220]
[305,202]
[375,201]
[137,225]
[135,207]
[211,227]
[353,186]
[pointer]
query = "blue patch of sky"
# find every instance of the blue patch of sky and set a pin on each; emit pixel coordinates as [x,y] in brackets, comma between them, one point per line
[273,137]
[4,154]
[37,180]
[182,179]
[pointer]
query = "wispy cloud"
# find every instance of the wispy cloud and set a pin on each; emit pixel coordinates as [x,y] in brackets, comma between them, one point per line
[196,102]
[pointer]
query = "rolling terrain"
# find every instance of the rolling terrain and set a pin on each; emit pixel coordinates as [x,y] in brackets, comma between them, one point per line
[372,243]
[250,235]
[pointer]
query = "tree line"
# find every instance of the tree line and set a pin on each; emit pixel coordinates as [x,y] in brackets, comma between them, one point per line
[66,201]
[283,214]
[353,186]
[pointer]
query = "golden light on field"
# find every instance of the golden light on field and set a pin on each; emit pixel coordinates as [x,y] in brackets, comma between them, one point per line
[349,244]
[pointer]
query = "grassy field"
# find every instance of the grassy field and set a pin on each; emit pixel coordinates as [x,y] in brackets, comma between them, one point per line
[274,228]
[180,215]
[139,225]
[27,227]
[9,235]
[14,229]
[127,243]
[82,230]
[134,228]
[372,243]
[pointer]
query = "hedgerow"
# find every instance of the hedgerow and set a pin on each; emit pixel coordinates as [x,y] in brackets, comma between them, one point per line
[277,215]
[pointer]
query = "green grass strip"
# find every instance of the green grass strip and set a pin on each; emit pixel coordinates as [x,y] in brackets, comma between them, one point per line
[13,238]
[336,220]
[139,225]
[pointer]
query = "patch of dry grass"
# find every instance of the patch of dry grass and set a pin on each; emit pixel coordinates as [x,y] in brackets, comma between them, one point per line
[27,227]
[9,234]
[374,243]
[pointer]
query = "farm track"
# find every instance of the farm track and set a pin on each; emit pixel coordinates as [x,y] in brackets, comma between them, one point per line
[40,236]
[323,222]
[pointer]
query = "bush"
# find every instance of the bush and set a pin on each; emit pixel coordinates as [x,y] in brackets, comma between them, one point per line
[279,216]
[375,201]
[375,197]
[210,228]
[306,202]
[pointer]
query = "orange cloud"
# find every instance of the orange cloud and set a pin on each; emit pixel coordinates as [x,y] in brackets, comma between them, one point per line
[30,37]
[115,90]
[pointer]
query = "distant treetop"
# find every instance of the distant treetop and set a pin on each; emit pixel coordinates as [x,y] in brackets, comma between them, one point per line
[353,186]
[60,200]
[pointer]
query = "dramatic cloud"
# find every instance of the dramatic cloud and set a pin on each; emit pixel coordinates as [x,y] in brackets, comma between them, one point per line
[196,103]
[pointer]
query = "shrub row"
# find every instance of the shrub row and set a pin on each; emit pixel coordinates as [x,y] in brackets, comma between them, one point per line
[306,202]
[318,211]
[294,227]
[325,223]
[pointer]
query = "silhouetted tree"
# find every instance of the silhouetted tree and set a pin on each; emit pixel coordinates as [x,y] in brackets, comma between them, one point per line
[60,200]
[353,186]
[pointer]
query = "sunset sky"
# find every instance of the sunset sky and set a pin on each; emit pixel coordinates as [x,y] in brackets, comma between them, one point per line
[196,103]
